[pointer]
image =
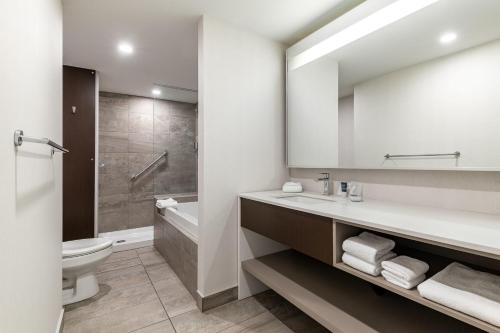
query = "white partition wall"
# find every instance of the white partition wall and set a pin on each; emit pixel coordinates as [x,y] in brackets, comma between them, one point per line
[30,178]
[241,138]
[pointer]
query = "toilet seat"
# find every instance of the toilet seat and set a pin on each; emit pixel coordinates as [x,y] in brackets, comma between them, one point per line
[82,247]
[80,259]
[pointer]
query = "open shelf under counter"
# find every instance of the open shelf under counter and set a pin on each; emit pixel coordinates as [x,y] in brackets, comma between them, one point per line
[436,256]
[414,295]
[342,303]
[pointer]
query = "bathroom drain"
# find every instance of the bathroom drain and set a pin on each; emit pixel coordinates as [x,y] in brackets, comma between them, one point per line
[121,241]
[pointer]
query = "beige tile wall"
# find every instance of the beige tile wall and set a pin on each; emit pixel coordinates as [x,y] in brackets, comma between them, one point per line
[132,132]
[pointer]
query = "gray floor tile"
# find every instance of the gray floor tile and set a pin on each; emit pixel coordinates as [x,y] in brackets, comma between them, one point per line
[124,278]
[288,314]
[175,297]
[262,323]
[122,255]
[162,327]
[302,323]
[109,300]
[151,258]
[160,272]
[125,320]
[219,318]
[120,264]
[141,298]
[145,249]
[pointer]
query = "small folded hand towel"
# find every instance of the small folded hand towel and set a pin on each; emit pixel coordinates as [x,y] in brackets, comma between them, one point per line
[363,266]
[407,284]
[466,290]
[166,203]
[405,268]
[368,247]
[292,187]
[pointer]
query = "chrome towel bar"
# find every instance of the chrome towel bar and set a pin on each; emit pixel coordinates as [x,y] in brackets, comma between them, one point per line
[19,138]
[134,177]
[455,154]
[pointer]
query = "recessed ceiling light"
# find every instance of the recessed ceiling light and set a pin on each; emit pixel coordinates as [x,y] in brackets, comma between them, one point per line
[373,22]
[125,48]
[448,37]
[156,92]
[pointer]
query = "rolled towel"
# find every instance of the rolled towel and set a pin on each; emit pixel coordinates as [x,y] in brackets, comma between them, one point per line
[363,266]
[368,246]
[466,290]
[405,268]
[166,203]
[407,284]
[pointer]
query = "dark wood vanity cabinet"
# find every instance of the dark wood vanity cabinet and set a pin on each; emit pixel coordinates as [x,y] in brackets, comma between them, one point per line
[307,233]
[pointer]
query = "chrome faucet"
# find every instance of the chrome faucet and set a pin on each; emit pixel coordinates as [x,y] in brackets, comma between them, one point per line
[326,182]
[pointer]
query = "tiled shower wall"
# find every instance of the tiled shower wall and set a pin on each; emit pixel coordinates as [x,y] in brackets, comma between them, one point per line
[133,131]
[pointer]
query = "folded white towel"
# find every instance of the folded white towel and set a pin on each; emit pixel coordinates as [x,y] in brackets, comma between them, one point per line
[405,268]
[292,187]
[368,246]
[166,203]
[407,284]
[466,290]
[363,266]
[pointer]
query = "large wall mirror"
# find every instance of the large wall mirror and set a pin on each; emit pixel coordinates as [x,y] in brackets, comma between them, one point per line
[420,91]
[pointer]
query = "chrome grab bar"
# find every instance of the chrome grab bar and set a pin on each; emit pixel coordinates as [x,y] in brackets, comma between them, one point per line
[455,154]
[137,175]
[19,138]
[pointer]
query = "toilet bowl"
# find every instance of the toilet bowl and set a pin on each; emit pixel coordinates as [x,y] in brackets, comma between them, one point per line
[80,259]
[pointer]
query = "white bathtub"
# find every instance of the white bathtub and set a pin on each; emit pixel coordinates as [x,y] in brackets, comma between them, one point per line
[185,218]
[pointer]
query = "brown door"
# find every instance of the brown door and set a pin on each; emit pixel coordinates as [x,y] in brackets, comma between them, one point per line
[79,98]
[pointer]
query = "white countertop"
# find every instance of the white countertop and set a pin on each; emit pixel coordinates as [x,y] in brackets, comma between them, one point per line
[475,231]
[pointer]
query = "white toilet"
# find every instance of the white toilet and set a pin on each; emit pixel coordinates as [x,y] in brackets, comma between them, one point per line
[80,260]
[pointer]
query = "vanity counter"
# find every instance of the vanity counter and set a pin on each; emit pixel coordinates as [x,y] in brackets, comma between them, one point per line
[477,232]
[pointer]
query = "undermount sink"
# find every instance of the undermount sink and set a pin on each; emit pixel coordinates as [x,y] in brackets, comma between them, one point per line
[304,199]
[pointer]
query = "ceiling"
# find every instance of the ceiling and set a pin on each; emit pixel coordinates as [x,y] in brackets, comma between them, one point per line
[164,35]
[415,39]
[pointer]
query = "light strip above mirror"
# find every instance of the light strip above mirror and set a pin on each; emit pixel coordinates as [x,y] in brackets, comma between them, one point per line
[376,21]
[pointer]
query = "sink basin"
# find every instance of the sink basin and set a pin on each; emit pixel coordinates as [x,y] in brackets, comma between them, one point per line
[304,199]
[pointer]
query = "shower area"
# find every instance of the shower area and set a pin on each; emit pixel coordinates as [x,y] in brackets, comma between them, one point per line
[147,150]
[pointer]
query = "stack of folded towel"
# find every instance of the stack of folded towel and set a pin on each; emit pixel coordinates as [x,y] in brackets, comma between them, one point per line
[466,290]
[404,271]
[166,203]
[366,252]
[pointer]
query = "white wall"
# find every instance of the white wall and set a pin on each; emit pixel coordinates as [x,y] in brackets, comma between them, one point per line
[30,180]
[441,106]
[242,138]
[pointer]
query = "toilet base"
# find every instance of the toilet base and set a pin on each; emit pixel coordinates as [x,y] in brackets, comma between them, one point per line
[84,286]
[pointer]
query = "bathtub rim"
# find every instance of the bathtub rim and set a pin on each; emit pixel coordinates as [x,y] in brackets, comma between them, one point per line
[171,215]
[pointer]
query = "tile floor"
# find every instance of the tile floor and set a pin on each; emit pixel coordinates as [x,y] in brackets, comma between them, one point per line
[140,293]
